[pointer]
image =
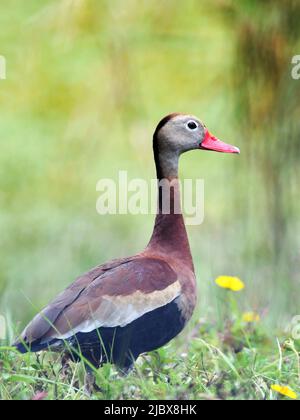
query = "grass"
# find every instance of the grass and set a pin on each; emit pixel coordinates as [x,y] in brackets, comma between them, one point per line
[237,362]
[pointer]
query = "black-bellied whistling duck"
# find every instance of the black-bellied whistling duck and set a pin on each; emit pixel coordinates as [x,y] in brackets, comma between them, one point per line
[130,306]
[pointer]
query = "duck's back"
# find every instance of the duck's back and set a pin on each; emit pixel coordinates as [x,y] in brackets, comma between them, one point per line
[113,313]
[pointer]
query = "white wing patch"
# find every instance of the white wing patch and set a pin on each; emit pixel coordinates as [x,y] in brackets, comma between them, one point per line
[119,311]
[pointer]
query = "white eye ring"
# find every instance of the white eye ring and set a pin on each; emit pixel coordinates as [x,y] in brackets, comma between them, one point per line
[192,125]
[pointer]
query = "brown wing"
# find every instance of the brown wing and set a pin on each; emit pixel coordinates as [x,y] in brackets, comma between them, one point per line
[116,297]
[42,323]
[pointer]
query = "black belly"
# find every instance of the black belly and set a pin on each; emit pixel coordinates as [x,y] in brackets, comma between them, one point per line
[123,345]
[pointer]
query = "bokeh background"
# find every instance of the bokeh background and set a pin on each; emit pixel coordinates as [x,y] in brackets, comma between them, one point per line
[87,81]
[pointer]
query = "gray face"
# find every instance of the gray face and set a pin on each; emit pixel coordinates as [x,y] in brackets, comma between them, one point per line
[181,134]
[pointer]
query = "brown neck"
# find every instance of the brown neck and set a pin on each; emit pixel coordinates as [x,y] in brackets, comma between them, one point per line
[169,235]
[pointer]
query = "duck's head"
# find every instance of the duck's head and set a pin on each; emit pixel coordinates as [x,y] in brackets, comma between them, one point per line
[180,133]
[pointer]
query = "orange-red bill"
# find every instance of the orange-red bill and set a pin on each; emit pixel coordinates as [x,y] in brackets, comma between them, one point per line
[212,143]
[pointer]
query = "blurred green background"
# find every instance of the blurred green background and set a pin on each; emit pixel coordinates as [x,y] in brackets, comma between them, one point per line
[87,82]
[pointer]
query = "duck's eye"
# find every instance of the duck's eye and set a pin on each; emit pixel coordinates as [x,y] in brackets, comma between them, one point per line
[192,125]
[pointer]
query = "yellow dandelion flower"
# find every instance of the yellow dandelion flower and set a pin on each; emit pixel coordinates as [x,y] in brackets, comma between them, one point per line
[250,317]
[284,390]
[231,283]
